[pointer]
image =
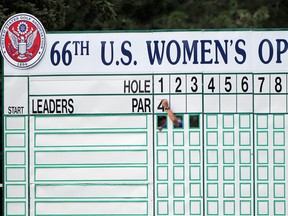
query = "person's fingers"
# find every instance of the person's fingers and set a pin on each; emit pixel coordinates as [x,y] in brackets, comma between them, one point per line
[164,102]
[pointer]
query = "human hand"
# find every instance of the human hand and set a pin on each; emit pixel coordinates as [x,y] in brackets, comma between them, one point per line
[164,103]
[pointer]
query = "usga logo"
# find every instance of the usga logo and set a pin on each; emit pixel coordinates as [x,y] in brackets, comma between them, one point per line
[23,40]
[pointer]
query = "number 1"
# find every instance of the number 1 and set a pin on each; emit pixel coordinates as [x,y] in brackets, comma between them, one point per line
[161,82]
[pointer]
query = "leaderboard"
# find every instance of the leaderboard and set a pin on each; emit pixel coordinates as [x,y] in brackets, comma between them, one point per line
[143,93]
[85,132]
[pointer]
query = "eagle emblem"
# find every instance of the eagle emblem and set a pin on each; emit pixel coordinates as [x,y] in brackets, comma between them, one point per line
[23,40]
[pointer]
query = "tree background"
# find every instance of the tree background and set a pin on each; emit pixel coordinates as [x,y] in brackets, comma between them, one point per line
[74,15]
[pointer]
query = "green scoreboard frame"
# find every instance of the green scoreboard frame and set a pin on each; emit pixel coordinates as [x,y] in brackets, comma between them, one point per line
[80,128]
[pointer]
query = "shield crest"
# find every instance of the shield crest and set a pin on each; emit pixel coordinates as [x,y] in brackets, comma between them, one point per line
[22,48]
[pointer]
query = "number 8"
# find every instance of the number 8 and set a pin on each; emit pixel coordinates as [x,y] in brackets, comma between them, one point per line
[278,86]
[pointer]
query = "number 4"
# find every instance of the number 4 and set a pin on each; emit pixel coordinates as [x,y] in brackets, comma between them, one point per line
[211,84]
[160,107]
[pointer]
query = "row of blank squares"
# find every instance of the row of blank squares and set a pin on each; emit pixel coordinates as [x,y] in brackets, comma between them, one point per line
[228,121]
[245,121]
[225,156]
[225,207]
[214,189]
[229,190]
[228,156]
[179,190]
[178,138]
[242,103]
[15,165]
[179,156]
[228,138]
[245,207]
[179,207]
[229,173]
[178,173]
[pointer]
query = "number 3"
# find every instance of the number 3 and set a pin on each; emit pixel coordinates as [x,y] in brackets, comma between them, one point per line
[194,86]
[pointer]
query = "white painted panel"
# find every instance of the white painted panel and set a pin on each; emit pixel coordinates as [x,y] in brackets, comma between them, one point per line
[261,103]
[178,103]
[15,95]
[15,174]
[91,122]
[91,191]
[91,104]
[92,208]
[15,140]
[194,103]
[228,103]
[211,103]
[142,45]
[278,103]
[15,158]
[15,208]
[91,174]
[90,85]
[15,191]
[91,157]
[15,123]
[92,139]
[245,103]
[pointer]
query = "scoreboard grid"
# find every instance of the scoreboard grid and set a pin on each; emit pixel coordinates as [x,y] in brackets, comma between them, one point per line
[108,157]
[203,156]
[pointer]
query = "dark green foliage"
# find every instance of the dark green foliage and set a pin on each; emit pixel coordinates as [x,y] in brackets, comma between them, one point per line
[196,14]
[73,15]
[88,15]
[50,12]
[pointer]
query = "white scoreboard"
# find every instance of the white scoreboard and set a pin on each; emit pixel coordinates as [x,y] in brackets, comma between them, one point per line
[80,127]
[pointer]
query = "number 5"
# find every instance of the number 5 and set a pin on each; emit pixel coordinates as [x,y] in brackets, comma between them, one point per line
[227,82]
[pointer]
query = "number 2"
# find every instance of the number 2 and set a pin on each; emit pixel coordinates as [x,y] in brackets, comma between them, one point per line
[178,80]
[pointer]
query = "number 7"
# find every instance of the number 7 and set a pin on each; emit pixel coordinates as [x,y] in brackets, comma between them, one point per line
[262,82]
